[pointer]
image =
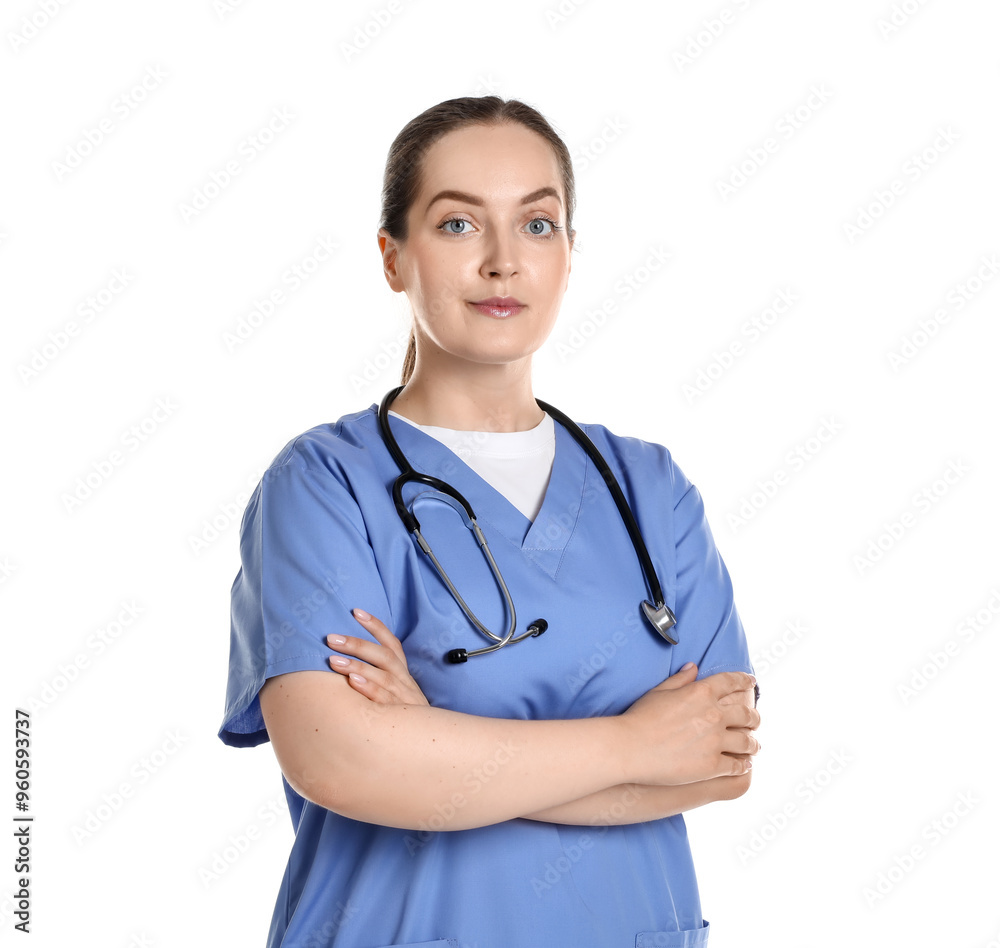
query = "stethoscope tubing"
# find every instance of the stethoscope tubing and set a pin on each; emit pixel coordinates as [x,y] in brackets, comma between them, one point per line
[656,594]
[659,614]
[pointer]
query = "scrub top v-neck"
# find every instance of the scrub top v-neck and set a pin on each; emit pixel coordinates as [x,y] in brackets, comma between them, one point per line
[517,464]
[321,535]
[543,538]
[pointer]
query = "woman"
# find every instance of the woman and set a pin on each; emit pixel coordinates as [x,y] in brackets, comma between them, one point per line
[531,795]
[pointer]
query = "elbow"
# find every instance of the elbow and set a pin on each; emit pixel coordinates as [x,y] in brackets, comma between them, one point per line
[737,785]
[318,737]
[319,784]
[346,779]
[342,776]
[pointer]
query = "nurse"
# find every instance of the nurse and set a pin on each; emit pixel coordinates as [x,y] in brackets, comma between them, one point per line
[532,795]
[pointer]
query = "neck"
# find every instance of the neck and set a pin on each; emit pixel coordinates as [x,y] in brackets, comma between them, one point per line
[487,398]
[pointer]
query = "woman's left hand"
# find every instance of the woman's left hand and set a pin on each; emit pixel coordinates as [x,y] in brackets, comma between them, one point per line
[378,671]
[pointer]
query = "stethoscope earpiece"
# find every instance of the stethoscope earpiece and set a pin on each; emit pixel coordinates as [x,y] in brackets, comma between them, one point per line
[459,655]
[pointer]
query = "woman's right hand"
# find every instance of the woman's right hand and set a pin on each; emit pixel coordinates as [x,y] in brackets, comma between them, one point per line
[683,730]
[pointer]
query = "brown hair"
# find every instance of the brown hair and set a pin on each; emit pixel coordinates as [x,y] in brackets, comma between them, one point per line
[401,180]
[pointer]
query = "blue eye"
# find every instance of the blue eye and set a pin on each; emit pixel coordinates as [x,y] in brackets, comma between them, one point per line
[454,220]
[541,220]
[554,228]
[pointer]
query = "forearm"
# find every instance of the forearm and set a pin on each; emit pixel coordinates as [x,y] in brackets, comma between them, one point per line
[639,803]
[420,767]
[461,771]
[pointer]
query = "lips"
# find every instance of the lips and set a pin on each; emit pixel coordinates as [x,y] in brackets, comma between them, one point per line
[499,307]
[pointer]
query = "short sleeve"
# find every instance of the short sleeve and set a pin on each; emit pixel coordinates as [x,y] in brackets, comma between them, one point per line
[708,625]
[305,563]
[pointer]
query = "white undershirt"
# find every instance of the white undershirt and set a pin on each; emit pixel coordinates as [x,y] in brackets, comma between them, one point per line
[515,463]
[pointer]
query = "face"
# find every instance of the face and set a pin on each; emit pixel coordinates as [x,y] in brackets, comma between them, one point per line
[487,242]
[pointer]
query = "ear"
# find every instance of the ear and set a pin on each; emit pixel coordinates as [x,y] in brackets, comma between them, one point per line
[389,249]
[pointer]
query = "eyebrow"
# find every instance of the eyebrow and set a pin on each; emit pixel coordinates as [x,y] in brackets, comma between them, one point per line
[547,191]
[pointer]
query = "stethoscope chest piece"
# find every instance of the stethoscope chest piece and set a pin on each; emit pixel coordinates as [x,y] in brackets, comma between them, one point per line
[661,619]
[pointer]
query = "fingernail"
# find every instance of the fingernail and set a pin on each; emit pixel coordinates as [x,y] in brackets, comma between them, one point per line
[749,765]
[686,666]
[342,662]
[362,615]
[358,678]
[336,639]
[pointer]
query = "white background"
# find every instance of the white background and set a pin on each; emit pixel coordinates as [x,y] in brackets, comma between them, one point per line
[833,637]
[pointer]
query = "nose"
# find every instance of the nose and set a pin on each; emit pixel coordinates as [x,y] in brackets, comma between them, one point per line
[500,254]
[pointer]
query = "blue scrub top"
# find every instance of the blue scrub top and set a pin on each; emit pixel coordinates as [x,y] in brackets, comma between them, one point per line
[321,536]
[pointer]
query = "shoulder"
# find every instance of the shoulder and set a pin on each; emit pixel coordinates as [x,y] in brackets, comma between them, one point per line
[334,447]
[326,468]
[639,458]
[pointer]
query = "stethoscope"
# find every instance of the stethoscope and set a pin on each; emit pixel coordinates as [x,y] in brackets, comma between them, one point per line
[660,616]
